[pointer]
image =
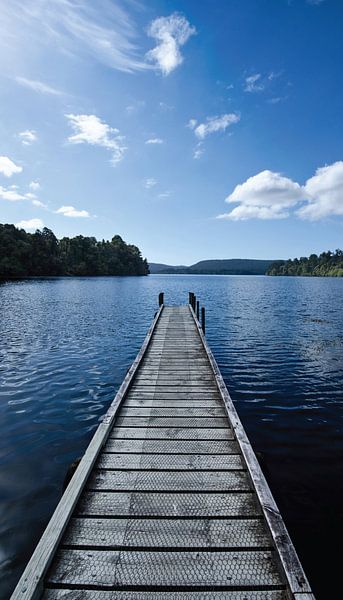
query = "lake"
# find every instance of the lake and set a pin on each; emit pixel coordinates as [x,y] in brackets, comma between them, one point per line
[66,344]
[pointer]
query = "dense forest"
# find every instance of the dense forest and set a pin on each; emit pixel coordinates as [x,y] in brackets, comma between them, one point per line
[41,253]
[327,264]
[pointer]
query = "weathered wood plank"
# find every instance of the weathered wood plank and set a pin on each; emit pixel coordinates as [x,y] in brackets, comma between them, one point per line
[61,594]
[164,504]
[169,481]
[172,462]
[167,533]
[172,569]
[212,422]
[172,433]
[131,411]
[166,446]
[153,402]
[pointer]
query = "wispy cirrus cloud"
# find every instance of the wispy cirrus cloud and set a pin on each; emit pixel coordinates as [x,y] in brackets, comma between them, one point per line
[154,141]
[103,31]
[253,83]
[270,195]
[89,129]
[38,86]
[28,137]
[8,167]
[171,33]
[70,211]
[149,183]
[213,124]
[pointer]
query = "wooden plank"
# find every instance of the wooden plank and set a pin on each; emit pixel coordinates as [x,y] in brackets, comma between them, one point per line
[114,569]
[172,433]
[71,594]
[137,401]
[167,533]
[131,411]
[164,504]
[172,447]
[172,462]
[169,481]
[30,584]
[212,422]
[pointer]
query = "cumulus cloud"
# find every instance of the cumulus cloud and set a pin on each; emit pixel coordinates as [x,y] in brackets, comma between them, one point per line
[30,225]
[28,137]
[38,203]
[270,195]
[89,129]
[213,124]
[253,83]
[10,194]
[325,193]
[154,141]
[38,86]
[8,167]
[70,211]
[149,183]
[34,185]
[170,33]
[267,195]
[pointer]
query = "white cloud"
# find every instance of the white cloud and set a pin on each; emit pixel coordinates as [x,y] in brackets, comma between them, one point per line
[325,193]
[30,196]
[267,195]
[164,195]
[10,194]
[38,86]
[70,211]
[38,203]
[30,225]
[170,33]
[154,141]
[89,129]
[34,185]
[149,183]
[213,124]
[253,83]
[8,167]
[192,123]
[102,31]
[28,137]
[270,195]
[198,150]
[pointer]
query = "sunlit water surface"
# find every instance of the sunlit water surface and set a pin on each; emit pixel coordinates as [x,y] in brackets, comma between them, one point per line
[66,344]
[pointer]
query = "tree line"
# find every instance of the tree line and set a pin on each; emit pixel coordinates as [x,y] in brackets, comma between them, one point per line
[25,254]
[327,264]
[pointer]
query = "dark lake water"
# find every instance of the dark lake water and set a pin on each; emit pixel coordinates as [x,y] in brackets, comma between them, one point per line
[66,344]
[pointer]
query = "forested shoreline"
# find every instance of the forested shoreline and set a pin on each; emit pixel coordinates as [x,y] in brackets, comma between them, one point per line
[327,264]
[38,254]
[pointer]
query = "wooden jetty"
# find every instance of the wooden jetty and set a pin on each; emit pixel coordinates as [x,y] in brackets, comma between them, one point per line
[169,500]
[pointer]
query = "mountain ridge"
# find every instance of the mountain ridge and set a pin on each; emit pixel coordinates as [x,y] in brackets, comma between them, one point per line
[229,266]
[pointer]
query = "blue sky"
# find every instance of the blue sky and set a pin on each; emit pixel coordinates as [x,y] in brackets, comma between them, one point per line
[193,129]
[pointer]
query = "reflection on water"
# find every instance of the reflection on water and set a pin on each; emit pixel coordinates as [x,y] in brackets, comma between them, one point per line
[65,347]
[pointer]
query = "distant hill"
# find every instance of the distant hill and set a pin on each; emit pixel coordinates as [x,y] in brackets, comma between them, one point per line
[231,266]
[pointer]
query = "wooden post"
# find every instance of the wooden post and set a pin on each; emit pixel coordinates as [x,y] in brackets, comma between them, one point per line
[198,309]
[194,302]
[203,325]
[190,294]
[160,299]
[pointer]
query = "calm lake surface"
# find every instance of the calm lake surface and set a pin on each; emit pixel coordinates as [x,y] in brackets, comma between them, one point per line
[66,344]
